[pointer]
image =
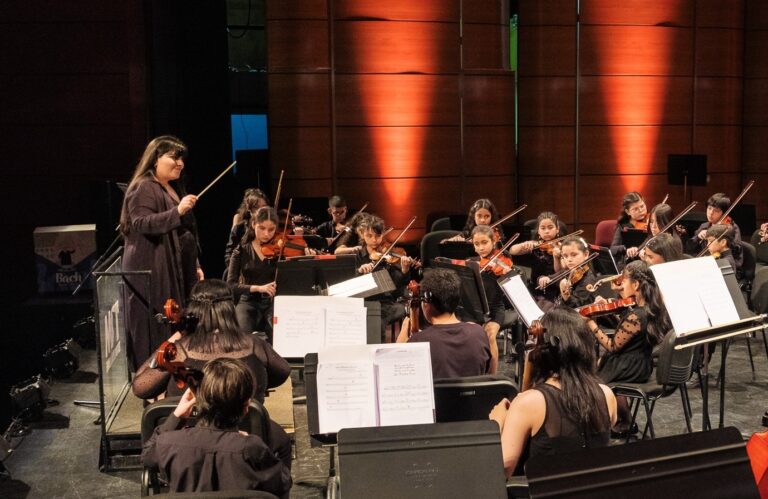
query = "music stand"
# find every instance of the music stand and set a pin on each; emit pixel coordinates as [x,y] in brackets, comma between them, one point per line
[474,304]
[456,250]
[632,238]
[304,276]
[604,264]
[687,169]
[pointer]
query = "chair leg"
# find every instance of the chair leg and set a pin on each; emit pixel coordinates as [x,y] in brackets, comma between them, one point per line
[649,417]
[686,406]
[634,406]
[751,360]
[765,343]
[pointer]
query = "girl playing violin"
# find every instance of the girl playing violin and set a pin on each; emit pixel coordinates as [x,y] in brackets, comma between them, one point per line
[252,274]
[253,199]
[546,257]
[661,249]
[337,209]
[628,357]
[573,288]
[399,267]
[720,244]
[352,240]
[634,216]
[482,212]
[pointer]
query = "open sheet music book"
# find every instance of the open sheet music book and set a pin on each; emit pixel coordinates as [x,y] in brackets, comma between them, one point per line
[374,385]
[364,286]
[515,289]
[695,294]
[307,324]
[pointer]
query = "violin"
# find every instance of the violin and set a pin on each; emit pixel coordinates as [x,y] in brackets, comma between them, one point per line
[549,246]
[572,275]
[577,274]
[284,246]
[613,307]
[391,256]
[497,263]
[165,360]
[641,224]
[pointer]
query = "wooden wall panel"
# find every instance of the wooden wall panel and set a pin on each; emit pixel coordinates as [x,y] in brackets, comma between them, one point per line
[546,150]
[297,9]
[500,190]
[718,101]
[548,193]
[756,54]
[547,101]
[551,12]
[636,50]
[754,143]
[547,51]
[756,14]
[301,148]
[299,99]
[373,152]
[713,13]
[303,188]
[395,47]
[717,182]
[722,145]
[297,45]
[638,12]
[396,100]
[638,100]
[398,10]
[600,195]
[489,100]
[485,48]
[486,11]
[489,150]
[719,52]
[642,149]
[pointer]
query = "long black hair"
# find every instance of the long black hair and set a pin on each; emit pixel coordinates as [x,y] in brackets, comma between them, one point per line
[629,199]
[658,318]
[211,302]
[569,354]
[262,214]
[478,205]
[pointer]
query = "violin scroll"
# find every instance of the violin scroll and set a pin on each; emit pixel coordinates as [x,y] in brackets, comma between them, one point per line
[165,360]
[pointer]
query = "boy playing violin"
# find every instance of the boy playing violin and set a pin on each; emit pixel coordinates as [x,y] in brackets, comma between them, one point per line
[337,208]
[717,204]
[398,266]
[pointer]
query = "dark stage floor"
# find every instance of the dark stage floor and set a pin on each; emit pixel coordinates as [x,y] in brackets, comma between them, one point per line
[60,456]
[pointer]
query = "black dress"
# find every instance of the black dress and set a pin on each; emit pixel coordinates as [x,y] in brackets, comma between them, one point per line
[160,240]
[629,350]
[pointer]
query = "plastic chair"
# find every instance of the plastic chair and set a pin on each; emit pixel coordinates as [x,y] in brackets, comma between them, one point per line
[673,371]
[471,397]
[256,423]
[604,233]
[430,245]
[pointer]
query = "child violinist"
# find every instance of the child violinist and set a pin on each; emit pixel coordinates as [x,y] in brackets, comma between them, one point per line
[634,216]
[253,199]
[546,258]
[662,248]
[352,240]
[720,244]
[482,212]
[717,204]
[252,274]
[368,254]
[573,287]
[337,209]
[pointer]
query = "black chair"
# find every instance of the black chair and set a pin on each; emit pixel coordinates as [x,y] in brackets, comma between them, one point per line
[430,245]
[748,269]
[761,250]
[471,397]
[255,423]
[673,371]
[222,494]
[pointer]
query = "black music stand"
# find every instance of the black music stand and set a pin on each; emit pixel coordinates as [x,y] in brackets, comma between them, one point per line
[474,304]
[632,238]
[305,276]
[457,250]
[710,464]
[687,169]
[604,264]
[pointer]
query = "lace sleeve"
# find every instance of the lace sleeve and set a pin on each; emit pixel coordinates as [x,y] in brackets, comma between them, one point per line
[149,383]
[277,367]
[629,327]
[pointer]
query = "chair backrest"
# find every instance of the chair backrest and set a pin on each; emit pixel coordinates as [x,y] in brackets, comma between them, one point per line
[430,244]
[760,291]
[471,397]
[443,223]
[749,263]
[761,253]
[674,366]
[604,232]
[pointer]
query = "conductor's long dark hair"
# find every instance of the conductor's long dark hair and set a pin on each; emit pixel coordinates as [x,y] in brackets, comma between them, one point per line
[570,356]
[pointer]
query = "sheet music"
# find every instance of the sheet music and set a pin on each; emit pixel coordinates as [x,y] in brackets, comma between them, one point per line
[404,387]
[300,323]
[345,395]
[353,286]
[345,327]
[521,298]
[695,294]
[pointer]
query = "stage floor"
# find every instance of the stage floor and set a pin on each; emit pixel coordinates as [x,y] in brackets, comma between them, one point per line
[60,457]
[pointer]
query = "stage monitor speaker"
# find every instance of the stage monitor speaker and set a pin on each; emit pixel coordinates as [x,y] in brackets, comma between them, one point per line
[711,464]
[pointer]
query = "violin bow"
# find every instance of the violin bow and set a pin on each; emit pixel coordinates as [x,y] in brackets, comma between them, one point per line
[279,188]
[216,179]
[557,240]
[556,277]
[507,217]
[386,253]
[664,201]
[736,201]
[669,225]
[333,241]
[503,248]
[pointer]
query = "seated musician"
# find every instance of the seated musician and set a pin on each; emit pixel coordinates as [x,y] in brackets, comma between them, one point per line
[252,274]
[573,287]
[457,348]
[546,258]
[215,335]
[567,408]
[214,455]
[660,216]
[352,240]
[253,199]
[717,204]
[337,209]
[720,244]
[482,212]
[662,248]
[634,216]
[398,267]
[628,355]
